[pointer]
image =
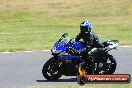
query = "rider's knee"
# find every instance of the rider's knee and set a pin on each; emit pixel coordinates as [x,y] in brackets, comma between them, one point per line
[92,51]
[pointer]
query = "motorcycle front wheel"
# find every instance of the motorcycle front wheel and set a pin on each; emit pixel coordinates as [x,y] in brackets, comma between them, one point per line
[51,69]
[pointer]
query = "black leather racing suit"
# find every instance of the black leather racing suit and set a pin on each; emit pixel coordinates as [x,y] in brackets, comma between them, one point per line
[93,45]
[90,40]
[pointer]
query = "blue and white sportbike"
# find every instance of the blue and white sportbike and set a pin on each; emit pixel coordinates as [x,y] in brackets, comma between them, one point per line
[66,59]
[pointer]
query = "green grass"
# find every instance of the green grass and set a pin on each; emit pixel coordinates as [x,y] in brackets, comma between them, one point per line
[85,86]
[37,24]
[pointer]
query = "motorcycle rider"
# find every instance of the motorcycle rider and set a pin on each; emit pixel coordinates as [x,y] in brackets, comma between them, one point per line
[92,42]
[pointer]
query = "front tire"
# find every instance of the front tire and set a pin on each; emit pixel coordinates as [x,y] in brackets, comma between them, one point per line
[51,70]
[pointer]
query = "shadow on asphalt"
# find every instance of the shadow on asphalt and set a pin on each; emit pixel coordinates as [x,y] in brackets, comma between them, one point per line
[59,80]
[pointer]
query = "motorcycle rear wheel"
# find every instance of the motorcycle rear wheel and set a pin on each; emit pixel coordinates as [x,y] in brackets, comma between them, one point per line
[108,67]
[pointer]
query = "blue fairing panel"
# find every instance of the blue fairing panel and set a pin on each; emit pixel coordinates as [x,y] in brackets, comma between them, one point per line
[69,57]
[78,45]
[60,46]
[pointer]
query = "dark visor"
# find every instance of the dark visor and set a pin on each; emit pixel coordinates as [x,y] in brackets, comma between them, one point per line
[84,28]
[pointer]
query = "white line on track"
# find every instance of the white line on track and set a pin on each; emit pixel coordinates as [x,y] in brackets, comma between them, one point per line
[49,50]
[125,46]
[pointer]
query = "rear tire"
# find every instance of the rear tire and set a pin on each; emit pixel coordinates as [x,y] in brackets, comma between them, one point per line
[51,70]
[108,68]
[114,64]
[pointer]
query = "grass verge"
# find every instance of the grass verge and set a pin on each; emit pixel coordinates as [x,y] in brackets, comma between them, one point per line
[85,86]
[37,24]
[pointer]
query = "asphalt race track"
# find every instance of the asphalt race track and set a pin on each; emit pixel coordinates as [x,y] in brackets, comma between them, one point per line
[23,69]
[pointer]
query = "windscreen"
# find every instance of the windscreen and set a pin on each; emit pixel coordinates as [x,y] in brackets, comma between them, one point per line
[64,40]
